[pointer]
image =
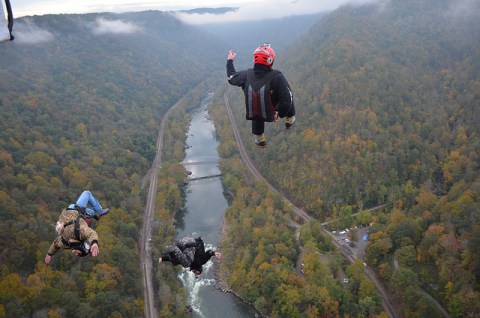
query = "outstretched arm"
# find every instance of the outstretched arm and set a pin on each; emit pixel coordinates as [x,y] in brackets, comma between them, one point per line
[91,237]
[88,234]
[234,78]
[54,248]
[231,72]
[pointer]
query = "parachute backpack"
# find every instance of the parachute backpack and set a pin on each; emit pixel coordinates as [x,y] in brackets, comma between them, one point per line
[79,245]
[258,96]
[6,27]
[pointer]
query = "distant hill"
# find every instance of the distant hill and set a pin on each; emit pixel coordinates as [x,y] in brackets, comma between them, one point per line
[220,10]
[152,44]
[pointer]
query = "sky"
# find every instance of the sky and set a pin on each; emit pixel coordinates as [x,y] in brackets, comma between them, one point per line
[248,9]
[26,32]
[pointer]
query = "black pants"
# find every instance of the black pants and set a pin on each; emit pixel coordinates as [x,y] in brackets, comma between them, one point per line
[258,125]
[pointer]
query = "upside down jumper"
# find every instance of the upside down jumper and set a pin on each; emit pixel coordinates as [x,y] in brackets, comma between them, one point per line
[75,234]
[188,252]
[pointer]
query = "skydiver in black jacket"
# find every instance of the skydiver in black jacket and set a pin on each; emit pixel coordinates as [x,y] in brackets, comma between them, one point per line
[188,252]
[268,96]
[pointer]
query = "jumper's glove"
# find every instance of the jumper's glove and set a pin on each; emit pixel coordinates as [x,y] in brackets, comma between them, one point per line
[231,55]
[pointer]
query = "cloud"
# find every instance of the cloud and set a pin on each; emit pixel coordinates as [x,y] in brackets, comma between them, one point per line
[269,9]
[27,32]
[104,26]
[465,8]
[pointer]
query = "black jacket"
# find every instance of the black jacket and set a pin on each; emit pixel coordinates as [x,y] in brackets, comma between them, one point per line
[282,96]
[189,252]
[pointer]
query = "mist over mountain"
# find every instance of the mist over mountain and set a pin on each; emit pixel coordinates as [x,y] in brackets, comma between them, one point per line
[151,41]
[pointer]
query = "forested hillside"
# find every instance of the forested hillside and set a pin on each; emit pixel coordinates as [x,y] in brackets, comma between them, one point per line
[387,99]
[388,106]
[81,97]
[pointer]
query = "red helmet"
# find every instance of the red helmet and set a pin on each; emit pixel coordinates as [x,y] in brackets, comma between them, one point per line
[264,54]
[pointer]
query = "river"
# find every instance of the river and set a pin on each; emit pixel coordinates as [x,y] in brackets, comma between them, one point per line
[203,216]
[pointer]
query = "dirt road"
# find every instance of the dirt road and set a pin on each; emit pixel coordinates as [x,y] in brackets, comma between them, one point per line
[146,261]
